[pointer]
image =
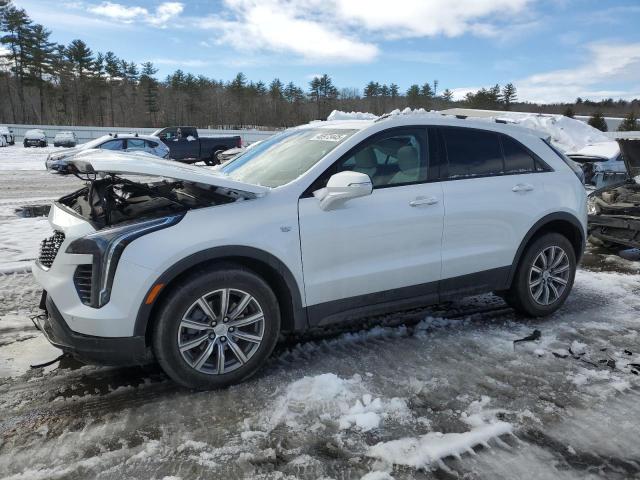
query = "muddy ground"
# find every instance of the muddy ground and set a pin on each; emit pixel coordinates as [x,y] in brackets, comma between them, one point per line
[567,405]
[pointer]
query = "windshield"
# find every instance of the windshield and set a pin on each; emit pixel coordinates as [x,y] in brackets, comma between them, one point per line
[284,157]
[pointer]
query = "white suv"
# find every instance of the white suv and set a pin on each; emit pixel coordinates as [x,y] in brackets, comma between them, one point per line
[320,224]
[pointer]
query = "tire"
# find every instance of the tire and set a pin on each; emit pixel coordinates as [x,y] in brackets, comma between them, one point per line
[183,309]
[545,297]
[214,159]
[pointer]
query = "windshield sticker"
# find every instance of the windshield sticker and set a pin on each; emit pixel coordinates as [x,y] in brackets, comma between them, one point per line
[328,137]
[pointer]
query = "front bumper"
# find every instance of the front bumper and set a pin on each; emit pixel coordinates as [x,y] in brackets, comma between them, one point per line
[122,351]
[623,230]
[34,143]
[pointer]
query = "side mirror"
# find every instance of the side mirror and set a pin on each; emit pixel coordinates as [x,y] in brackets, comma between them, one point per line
[342,187]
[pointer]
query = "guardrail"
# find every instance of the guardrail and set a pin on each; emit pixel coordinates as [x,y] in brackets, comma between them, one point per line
[85,133]
[616,135]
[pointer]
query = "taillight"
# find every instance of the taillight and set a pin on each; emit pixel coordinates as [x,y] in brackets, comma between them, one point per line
[239,145]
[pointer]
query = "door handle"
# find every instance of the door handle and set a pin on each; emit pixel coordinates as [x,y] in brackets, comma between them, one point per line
[522,187]
[423,201]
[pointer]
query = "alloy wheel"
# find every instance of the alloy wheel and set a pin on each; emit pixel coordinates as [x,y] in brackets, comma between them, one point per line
[549,275]
[221,331]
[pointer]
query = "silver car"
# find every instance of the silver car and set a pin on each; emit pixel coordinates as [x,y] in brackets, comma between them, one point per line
[124,142]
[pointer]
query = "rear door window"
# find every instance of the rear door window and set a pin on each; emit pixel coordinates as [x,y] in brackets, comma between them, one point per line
[472,153]
[135,144]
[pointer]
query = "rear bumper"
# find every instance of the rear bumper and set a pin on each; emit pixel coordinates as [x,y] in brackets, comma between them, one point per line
[34,143]
[121,351]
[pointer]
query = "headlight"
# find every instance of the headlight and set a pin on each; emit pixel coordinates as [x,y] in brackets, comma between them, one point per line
[592,208]
[107,246]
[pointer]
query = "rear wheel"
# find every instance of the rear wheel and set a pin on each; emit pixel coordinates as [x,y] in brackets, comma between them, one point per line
[216,328]
[544,277]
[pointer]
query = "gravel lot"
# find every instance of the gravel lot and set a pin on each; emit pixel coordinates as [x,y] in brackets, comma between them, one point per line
[436,393]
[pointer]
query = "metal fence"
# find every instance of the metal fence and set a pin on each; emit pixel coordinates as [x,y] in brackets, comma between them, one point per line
[85,134]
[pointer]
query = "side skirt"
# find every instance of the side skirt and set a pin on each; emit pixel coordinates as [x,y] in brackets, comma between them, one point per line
[388,301]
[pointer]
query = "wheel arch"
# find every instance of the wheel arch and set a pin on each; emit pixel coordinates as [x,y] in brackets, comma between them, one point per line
[264,264]
[564,223]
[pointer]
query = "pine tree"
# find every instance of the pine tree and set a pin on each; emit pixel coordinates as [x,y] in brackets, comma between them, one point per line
[16,24]
[447,96]
[149,87]
[630,123]
[509,95]
[39,53]
[372,90]
[413,96]
[569,112]
[394,91]
[597,121]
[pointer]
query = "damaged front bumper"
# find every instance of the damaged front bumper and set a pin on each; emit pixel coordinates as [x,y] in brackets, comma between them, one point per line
[120,351]
[623,230]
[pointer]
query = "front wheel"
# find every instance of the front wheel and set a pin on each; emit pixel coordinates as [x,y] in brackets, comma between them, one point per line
[216,328]
[544,276]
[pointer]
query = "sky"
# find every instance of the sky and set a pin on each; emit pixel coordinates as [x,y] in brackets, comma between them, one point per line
[552,50]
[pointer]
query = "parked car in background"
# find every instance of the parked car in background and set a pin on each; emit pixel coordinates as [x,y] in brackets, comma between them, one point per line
[614,211]
[232,153]
[65,139]
[601,163]
[35,138]
[318,225]
[123,142]
[7,133]
[185,145]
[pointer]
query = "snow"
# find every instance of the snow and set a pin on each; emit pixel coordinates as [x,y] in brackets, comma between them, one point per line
[20,237]
[423,391]
[16,157]
[340,115]
[327,398]
[426,450]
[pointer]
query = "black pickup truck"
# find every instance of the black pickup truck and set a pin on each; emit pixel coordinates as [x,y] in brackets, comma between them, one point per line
[185,145]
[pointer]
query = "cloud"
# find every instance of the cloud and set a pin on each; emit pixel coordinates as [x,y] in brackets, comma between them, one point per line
[348,30]
[129,14]
[606,65]
[179,62]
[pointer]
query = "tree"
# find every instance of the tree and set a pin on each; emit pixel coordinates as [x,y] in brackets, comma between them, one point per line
[372,90]
[509,95]
[597,121]
[16,24]
[447,96]
[413,96]
[394,91]
[39,56]
[569,112]
[149,87]
[630,123]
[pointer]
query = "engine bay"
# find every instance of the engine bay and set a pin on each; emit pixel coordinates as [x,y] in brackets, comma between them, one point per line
[112,200]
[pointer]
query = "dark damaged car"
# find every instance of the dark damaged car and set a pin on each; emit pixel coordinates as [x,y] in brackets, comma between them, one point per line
[614,211]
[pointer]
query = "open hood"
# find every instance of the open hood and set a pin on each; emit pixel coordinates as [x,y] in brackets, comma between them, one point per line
[103,162]
[630,149]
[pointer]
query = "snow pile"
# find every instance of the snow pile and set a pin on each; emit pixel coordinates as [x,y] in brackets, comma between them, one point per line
[568,134]
[432,447]
[340,115]
[327,398]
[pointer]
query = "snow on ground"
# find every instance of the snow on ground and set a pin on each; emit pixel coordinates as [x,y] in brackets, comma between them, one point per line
[20,237]
[16,157]
[433,393]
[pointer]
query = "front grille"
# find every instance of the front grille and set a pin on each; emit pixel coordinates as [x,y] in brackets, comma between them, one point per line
[49,249]
[82,282]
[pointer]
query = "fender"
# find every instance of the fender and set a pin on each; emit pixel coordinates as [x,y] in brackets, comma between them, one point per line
[299,320]
[540,224]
